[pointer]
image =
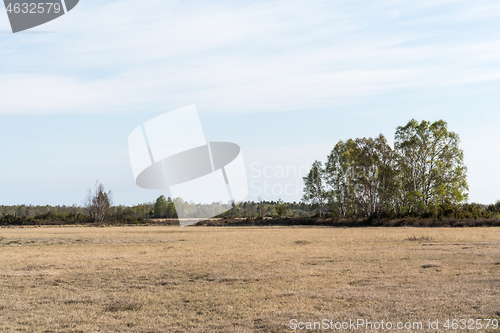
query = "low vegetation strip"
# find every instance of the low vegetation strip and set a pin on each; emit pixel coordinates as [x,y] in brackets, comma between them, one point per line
[341,222]
[300,221]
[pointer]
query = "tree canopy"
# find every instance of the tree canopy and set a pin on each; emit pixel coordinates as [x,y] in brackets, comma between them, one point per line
[366,176]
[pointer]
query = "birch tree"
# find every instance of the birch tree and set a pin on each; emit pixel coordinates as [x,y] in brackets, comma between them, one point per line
[431,165]
[338,176]
[374,176]
[98,202]
[314,190]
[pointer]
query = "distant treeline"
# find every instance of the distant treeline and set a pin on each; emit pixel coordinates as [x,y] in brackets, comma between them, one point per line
[265,211]
[162,208]
[29,214]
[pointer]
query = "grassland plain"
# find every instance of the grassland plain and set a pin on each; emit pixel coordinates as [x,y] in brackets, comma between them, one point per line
[209,279]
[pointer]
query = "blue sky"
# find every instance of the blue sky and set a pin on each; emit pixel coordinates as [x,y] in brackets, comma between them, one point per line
[284,79]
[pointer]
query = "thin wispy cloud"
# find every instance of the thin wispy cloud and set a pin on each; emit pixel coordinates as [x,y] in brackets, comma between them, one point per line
[244,57]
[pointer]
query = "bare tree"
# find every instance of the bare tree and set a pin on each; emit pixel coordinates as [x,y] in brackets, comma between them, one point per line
[98,202]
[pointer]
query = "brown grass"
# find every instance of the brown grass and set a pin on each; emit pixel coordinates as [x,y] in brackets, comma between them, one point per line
[199,279]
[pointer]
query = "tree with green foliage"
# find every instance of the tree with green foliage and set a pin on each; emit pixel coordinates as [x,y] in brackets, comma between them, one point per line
[164,208]
[374,176]
[366,176]
[160,206]
[360,176]
[314,191]
[280,208]
[338,180]
[431,166]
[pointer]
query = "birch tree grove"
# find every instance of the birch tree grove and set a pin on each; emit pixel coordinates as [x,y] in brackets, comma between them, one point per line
[431,165]
[360,176]
[365,176]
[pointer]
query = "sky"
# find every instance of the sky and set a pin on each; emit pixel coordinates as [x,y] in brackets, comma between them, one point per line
[285,80]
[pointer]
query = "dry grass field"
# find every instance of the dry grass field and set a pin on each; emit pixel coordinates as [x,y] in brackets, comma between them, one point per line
[201,279]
